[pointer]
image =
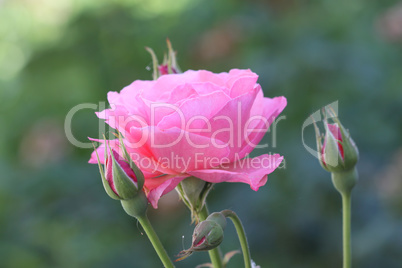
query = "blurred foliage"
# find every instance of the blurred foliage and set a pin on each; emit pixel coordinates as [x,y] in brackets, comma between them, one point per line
[55,55]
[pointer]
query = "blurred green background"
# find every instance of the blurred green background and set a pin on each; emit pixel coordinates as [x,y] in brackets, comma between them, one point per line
[55,55]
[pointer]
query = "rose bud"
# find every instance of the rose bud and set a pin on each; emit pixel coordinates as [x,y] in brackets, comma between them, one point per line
[207,235]
[119,179]
[338,153]
[169,65]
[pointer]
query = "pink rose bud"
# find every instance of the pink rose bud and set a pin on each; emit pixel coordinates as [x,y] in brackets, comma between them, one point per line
[169,65]
[120,180]
[120,176]
[207,235]
[338,153]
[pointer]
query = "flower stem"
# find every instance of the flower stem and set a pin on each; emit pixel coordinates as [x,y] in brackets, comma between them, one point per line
[241,234]
[346,210]
[214,254]
[156,243]
[344,183]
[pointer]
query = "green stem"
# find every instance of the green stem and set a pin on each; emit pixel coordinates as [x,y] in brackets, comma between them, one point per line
[346,210]
[344,183]
[156,243]
[214,254]
[241,234]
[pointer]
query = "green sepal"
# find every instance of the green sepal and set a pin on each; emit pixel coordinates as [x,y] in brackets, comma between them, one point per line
[228,256]
[219,218]
[138,173]
[350,150]
[105,183]
[171,56]
[332,156]
[171,61]
[155,63]
[319,139]
[126,188]
[345,181]
[193,192]
[137,206]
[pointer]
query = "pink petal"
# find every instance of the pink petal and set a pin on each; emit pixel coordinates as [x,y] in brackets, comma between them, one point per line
[161,186]
[109,174]
[202,107]
[243,85]
[179,150]
[264,112]
[114,144]
[119,118]
[252,171]
[228,124]
[165,84]
[162,88]
[180,93]
[204,88]
[130,92]
[336,132]
[139,155]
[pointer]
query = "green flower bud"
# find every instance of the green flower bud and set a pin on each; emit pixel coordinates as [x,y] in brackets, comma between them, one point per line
[169,64]
[338,152]
[121,178]
[207,235]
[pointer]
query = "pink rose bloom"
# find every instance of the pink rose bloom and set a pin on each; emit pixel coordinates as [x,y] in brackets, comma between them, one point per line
[196,123]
